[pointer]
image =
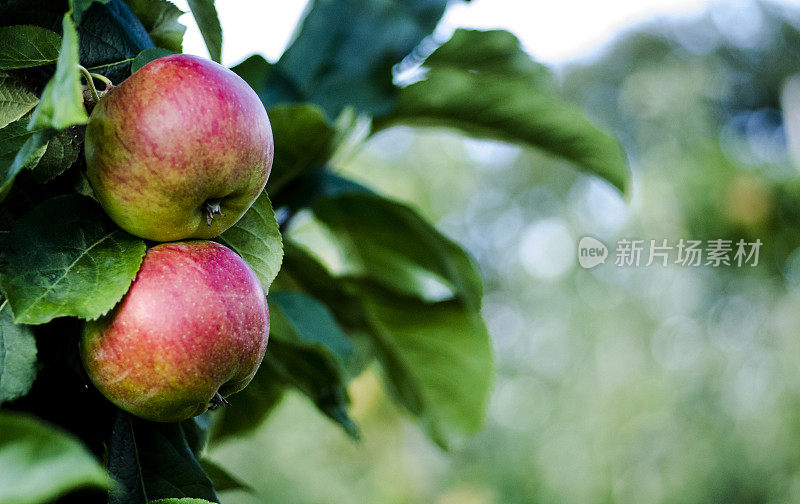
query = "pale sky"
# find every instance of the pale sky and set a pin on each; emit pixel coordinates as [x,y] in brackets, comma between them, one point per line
[552,31]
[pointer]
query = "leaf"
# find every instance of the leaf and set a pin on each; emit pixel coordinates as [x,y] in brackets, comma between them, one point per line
[311,323]
[81,6]
[152,460]
[24,46]
[15,100]
[147,56]
[345,51]
[205,14]
[437,359]
[160,19]
[484,84]
[250,406]
[303,140]
[61,152]
[17,149]
[39,462]
[254,70]
[223,480]
[66,258]
[309,351]
[388,243]
[110,38]
[17,357]
[257,239]
[179,501]
[61,104]
[196,430]
[28,154]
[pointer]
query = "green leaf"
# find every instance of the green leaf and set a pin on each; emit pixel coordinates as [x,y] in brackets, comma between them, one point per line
[61,152]
[388,243]
[152,460]
[257,239]
[110,38]
[345,51]
[66,258]
[179,501]
[61,104]
[147,56]
[196,430]
[310,322]
[160,19]
[18,148]
[309,351]
[39,462]
[484,84]
[17,357]
[223,480]
[33,147]
[205,14]
[437,358]
[303,140]
[254,70]
[24,46]
[250,406]
[81,6]
[15,100]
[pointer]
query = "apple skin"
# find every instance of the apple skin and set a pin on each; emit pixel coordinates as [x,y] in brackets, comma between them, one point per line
[194,322]
[179,132]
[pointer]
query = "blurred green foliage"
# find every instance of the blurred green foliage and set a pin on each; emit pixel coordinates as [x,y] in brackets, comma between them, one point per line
[615,385]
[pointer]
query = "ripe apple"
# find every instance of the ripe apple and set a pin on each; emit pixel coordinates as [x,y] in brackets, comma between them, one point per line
[180,149]
[192,329]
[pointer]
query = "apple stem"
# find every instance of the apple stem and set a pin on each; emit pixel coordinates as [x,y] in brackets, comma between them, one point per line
[89,77]
[218,401]
[212,208]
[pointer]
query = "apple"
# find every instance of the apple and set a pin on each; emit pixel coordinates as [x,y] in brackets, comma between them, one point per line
[192,329]
[179,150]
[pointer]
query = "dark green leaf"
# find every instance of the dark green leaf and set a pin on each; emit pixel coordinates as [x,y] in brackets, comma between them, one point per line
[388,243]
[345,51]
[147,56]
[309,351]
[15,100]
[311,323]
[81,6]
[39,462]
[438,361]
[303,140]
[12,156]
[484,84]
[61,152]
[17,357]
[28,154]
[67,259]
[61,104]
[257,239]
[196,430]
[205,14]
[223,480]
[254,70]
[250,406]
[160,19]
[152,461]
[179,501]
[24,46]
[111,36]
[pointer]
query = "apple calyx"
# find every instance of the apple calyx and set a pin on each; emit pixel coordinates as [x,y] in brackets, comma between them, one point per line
[218,401]
[211,208]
